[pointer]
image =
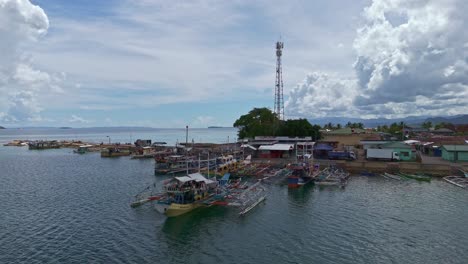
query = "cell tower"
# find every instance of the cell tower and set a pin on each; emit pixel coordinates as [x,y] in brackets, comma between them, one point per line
[279,101]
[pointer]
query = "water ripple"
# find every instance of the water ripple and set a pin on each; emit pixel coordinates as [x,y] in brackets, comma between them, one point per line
[60,207]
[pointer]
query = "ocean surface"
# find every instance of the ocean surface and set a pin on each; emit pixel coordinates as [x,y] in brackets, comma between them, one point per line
[61,207]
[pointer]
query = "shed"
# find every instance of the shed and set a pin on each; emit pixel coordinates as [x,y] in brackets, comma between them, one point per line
[455,153]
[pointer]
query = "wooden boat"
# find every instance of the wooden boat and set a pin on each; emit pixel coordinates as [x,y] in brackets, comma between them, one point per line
[459,181]
[416,177]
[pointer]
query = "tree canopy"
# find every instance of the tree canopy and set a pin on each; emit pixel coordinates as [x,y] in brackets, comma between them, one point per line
[258,122]
[263,122]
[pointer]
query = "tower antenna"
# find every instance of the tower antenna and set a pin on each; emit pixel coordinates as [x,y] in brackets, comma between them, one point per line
[279,101]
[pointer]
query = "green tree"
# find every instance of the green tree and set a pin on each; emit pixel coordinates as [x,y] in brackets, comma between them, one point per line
[338,126]
[258,122]
[427,124]
[298,128]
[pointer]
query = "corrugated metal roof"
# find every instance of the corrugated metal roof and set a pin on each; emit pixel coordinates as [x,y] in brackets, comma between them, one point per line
[396,145]
[282,147]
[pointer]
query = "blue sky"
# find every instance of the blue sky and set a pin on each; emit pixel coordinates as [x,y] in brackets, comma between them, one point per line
[201,63]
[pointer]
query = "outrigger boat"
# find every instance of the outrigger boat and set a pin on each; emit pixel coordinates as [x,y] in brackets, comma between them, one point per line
[460,181]
[181,195]
[332,176]
[184,194]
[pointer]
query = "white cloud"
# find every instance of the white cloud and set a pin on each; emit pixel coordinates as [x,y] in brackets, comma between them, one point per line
[411,60]
[21,25]
[320,95]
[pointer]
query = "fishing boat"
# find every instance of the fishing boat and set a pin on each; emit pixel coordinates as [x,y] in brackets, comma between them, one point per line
[184,194]
[302,174]
[459,181]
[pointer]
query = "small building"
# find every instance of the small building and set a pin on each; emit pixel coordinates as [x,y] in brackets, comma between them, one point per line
[455,153]
[405,152]
[276,151]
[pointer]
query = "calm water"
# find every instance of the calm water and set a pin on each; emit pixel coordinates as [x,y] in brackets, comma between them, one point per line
[122,135]
[60,207]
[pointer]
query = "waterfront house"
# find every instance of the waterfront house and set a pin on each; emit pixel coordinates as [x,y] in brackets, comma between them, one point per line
[455,153]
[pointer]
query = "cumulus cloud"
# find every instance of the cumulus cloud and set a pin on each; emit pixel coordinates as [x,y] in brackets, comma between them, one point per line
[21,24]
[320,95]
[412,58]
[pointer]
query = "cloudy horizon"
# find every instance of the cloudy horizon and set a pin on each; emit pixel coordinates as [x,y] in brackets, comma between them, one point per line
[205,63]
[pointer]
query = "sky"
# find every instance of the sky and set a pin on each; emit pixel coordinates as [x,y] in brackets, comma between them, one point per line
[205,63]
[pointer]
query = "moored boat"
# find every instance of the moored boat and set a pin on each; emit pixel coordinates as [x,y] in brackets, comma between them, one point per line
[186,193]
[302,174]
[416,177]
[83,149]
[459,181]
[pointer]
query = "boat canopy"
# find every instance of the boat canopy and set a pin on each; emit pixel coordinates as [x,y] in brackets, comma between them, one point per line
[283,147]
[248,146]
[199,178]
[194,177]
[184,179]
[86,146]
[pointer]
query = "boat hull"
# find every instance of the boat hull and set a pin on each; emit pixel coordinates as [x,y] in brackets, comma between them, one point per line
[297,182]
[174,209]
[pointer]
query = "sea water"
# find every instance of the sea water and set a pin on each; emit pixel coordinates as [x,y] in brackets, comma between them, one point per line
[61,207]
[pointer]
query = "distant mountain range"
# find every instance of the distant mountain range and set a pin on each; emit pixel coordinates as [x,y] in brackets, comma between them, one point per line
[410,120]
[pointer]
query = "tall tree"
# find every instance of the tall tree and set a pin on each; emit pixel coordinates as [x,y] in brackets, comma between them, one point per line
[258,122]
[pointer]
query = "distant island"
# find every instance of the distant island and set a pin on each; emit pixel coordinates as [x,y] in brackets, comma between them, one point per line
[2,127]
[64,127]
